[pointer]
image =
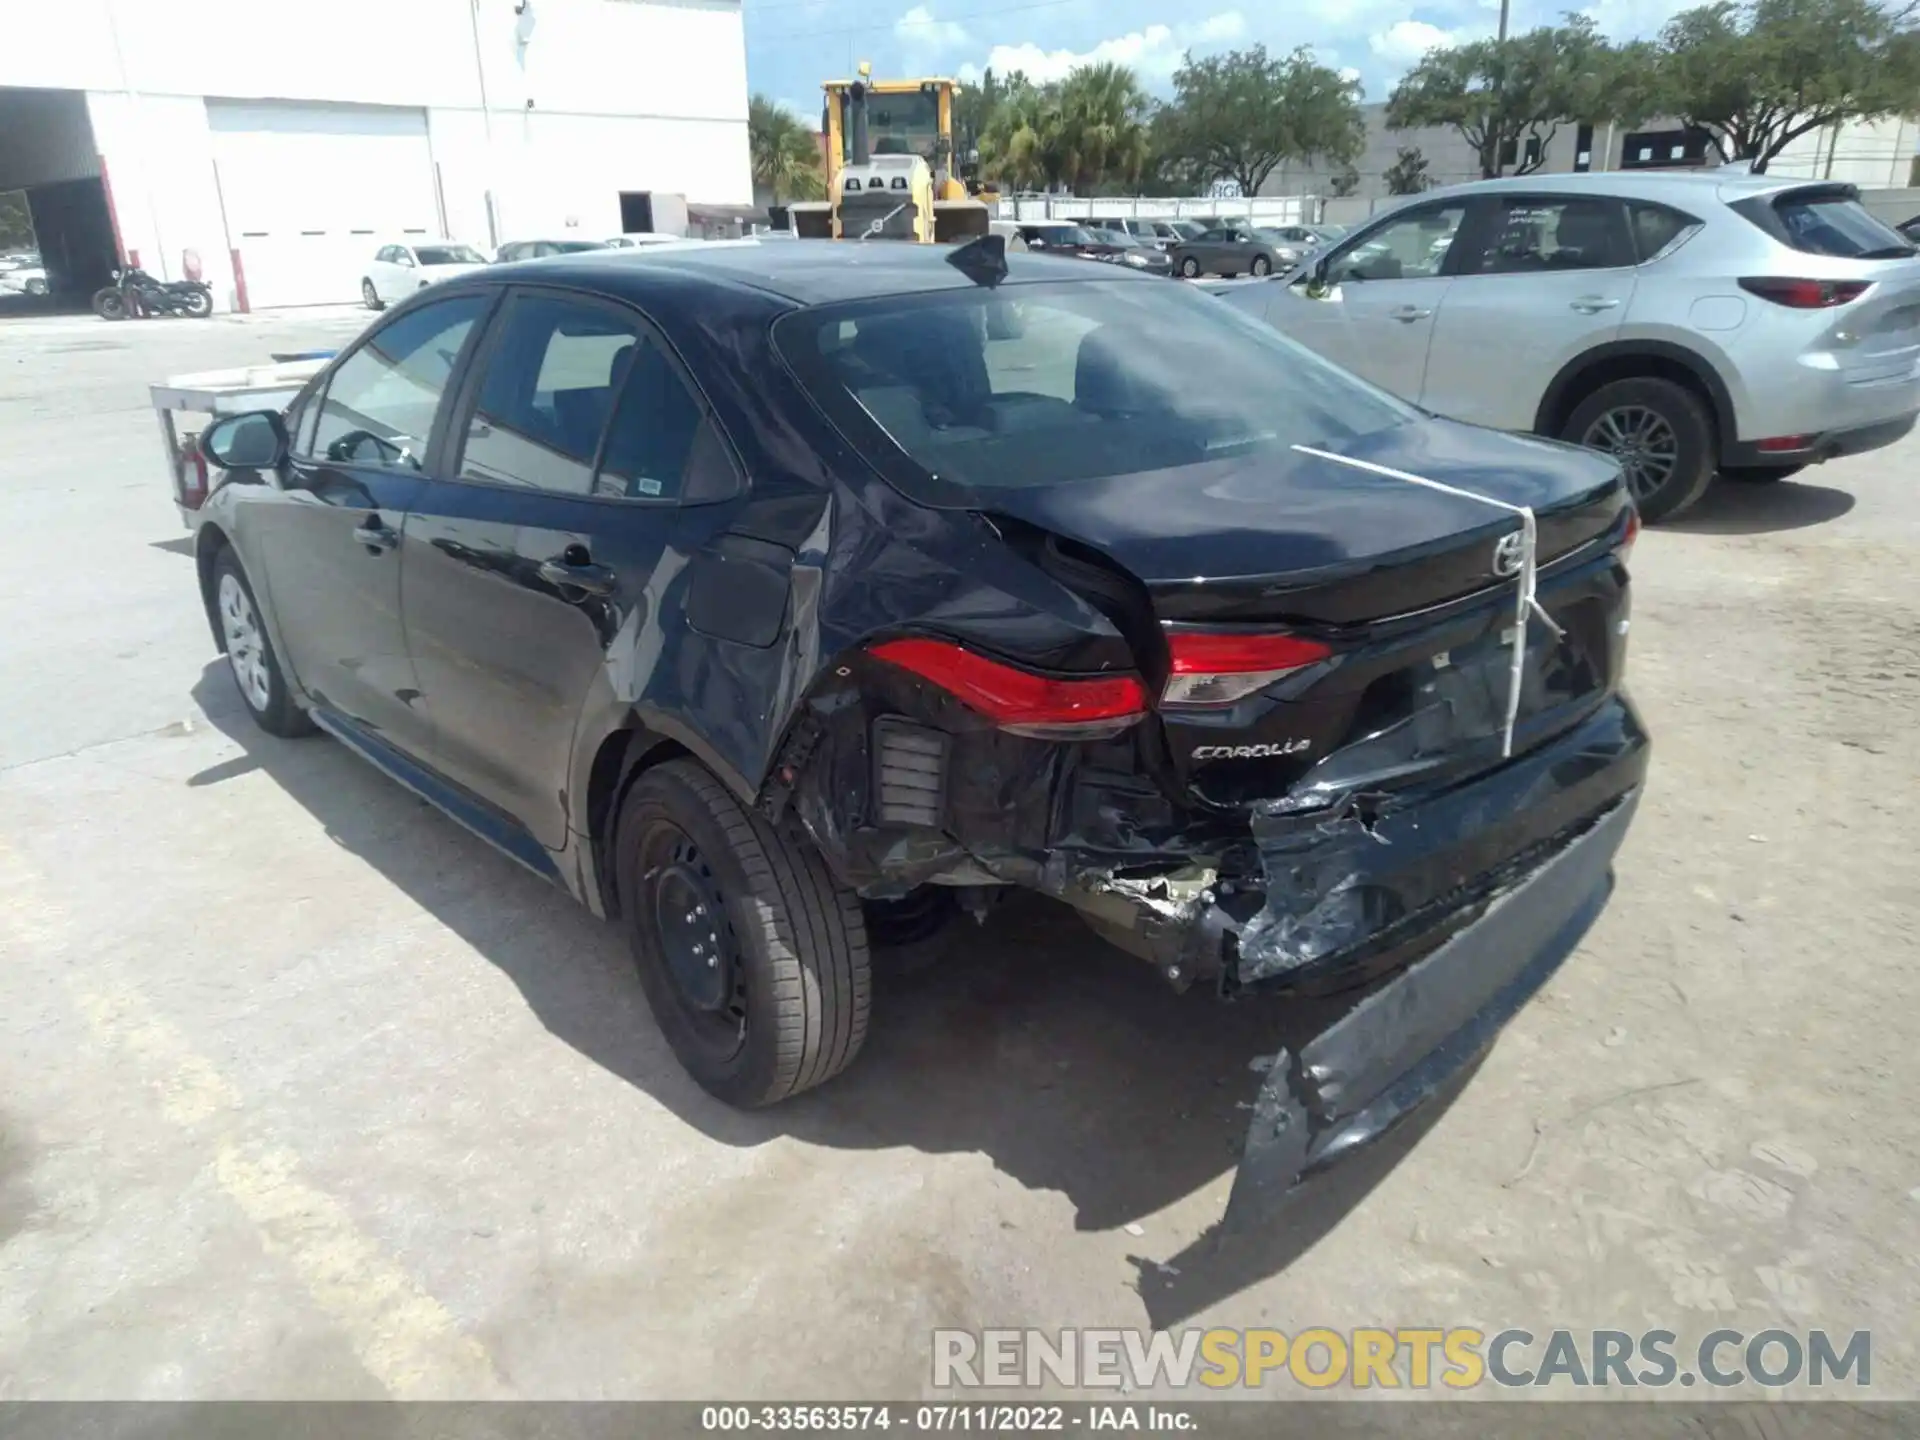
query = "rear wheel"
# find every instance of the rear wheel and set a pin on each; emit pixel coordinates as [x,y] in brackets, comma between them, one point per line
[1758,474]
[1660,433]
[256,669]
[370,296]
[1190,268]
[36,287]
[753,957]
[1261,265]
[914,932]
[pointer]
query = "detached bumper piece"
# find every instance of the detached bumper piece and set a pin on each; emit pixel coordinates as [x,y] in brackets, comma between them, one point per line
[1407,1038]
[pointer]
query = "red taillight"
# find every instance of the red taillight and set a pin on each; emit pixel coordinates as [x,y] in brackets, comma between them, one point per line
[1784,444]
[1805,294]
[1625,548]
[1219,667]
[1083,707]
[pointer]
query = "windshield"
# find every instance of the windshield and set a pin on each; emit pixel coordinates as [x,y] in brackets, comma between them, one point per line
[1066,235]
[1049,384]
[906,124]
[448,255]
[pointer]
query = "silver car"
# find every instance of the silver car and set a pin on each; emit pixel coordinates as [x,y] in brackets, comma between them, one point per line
[1687,322]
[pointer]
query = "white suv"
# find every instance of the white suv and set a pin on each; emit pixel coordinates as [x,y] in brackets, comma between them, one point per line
[1687,322]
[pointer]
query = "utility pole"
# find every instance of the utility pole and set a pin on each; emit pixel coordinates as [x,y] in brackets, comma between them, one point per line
[1504,4]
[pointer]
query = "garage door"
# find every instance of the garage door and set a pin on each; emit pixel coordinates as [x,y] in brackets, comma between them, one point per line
[311,191]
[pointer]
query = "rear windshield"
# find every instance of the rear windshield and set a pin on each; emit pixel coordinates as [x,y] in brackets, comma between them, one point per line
[1034,385]
[1838,225]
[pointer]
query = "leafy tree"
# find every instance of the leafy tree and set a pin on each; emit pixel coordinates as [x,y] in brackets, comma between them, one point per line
[1408,173]
[1345,182]
[785,152]
[1757,76]
[1499,95]
[1089,132]
[16,224]
[1242,114]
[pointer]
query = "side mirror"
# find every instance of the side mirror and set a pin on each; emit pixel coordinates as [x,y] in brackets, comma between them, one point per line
[254,441]
[406,259]
[1036,243]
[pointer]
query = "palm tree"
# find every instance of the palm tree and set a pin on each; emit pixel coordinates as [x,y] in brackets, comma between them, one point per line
[1103,123]
[786,153]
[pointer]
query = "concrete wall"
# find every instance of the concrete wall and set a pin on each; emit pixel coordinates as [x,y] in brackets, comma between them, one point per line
[550,113]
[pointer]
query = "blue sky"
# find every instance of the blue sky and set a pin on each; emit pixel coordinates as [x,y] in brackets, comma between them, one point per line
[792,45]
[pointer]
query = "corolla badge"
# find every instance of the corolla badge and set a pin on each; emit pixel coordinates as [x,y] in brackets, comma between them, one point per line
[1251,752]
[1508,552]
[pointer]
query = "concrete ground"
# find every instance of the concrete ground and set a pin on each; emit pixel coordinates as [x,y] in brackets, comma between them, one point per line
[306,1093]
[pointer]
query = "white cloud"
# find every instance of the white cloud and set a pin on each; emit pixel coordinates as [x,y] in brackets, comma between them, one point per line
[1216,29]
[1154,52]
[918,29]
[1349,73]
[1402,44]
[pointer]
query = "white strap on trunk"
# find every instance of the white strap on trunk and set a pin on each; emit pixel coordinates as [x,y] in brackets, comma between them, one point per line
[1526,601]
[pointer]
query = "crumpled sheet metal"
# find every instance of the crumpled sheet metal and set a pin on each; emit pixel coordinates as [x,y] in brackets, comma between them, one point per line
[1412,1037]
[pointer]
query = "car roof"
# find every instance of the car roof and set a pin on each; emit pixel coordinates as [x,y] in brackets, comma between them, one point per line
[1673,186]
[807,272]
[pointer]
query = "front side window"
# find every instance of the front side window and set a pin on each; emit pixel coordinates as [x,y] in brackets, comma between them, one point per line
[546,393]
[1409,247]
[380,402]
[1540,234]
[1050,384]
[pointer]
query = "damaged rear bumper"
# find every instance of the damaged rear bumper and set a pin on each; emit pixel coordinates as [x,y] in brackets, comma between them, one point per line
[1408,1037]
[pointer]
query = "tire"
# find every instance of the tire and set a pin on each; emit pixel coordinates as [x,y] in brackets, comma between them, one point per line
[370,297]
[36,287]
[109,303]
[199,304]
[1261,265]
[1758,474]
[1646,422]
[249,650]
[785,1007]
[913,933]
[1190,268]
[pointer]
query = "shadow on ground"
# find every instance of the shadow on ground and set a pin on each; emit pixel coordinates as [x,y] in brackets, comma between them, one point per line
[1737,507]
[1068,1064]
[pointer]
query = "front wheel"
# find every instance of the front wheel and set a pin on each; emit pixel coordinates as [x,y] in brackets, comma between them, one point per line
[753,957]
[370,296]
[36,287]
[109,303]
[1660,433]
[1190,268]
[256,669]
[198,304]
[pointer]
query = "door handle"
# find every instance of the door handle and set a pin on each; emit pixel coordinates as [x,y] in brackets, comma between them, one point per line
[1593,304]
[584,578]
[1407,314]
[376,535]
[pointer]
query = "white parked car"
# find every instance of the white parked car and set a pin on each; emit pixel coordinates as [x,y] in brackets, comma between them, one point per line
[23,272]
[396,271]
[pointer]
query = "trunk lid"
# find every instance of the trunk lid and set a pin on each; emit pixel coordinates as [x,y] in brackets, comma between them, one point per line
[1400,583]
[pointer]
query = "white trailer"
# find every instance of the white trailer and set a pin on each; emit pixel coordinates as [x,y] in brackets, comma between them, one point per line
[198,400]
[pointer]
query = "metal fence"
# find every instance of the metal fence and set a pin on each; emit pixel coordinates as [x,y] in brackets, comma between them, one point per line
[1260,209]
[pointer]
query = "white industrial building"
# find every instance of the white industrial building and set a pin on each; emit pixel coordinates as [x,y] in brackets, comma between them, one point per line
[282,141]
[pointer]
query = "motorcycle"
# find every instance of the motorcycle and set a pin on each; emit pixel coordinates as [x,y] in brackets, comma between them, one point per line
[135,292]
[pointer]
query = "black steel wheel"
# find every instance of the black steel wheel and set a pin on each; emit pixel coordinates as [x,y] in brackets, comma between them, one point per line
[753,957]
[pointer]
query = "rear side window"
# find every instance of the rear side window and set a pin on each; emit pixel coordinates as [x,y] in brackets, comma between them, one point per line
[1834,224]
[654,429]
[546,394]
[1656,227]
[1544,234]
[380,403]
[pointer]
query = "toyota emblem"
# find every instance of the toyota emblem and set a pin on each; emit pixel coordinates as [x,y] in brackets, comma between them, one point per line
[1508,552]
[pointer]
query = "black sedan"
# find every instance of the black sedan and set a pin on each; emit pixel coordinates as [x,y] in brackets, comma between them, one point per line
[1060,238]
[783,602]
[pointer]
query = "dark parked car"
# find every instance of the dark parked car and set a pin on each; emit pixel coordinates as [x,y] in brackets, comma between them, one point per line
[1058,238]
[1910,229]
[1134,254]
[781,601]
[1234,249]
